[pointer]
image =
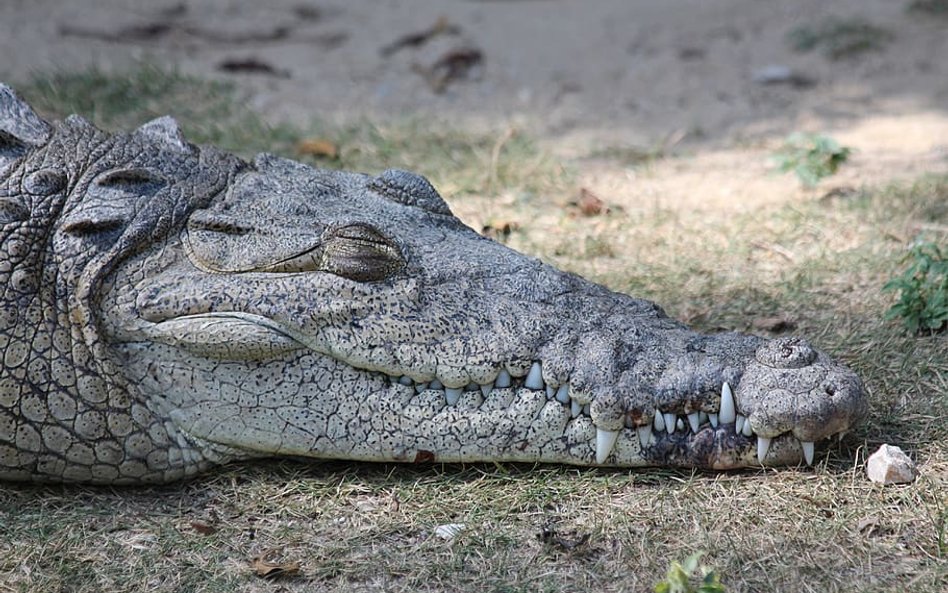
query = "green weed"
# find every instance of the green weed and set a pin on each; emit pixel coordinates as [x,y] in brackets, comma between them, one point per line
[923,288]
[838,38]
[679,578]
[929,7]
[811,157]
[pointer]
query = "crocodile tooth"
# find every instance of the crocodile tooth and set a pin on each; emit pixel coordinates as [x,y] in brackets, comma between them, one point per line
[702,418]
[421,387]
[670,423]
[738,424]
[808,447]
[550,392]
[586,409]
[728,412]
[453,395]
[645,434]
[713,419]
[562,394]
[436,384]
[503,379]
[679,424]
[747,430]
[405,380]
[575,408]
[659,421]
[763,445]
[486,388]
[694,420]
[534,377]
[605,441]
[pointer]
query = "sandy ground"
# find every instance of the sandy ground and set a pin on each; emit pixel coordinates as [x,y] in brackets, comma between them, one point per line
[583,76]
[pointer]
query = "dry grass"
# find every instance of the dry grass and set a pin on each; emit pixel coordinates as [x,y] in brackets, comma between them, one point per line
[361,527]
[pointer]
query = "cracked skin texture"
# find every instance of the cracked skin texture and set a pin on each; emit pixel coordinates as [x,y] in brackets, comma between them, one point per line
[167,308]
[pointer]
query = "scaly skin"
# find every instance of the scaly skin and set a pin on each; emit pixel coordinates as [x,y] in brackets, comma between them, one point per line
[167,308]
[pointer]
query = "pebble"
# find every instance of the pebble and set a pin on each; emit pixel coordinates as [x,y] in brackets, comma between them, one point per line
[449,531]
[890,465]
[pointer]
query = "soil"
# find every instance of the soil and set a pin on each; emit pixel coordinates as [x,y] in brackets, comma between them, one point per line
[716,84]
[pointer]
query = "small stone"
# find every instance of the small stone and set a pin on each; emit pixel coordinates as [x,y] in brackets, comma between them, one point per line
[890,465]
[449,531]
[773,74]
[777,74]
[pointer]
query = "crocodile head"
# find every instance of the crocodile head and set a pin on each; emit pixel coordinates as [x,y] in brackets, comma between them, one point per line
[217,310]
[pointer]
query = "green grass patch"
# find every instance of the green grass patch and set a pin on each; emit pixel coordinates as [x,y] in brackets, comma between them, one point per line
[211,112]
[811,157]
[923,289]
[839,38]
[929,7]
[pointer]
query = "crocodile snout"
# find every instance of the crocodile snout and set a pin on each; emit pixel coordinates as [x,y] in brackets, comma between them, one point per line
[790,387]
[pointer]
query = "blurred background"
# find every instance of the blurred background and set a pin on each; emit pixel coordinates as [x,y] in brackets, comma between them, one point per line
[609,72]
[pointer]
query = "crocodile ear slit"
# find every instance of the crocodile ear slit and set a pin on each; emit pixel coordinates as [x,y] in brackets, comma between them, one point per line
[410,189]
[166,131]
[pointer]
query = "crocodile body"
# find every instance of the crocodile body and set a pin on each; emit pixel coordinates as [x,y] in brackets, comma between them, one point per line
[167,308]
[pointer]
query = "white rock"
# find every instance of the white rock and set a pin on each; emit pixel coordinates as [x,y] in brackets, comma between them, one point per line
[773,74]
[889,465]
[449,531]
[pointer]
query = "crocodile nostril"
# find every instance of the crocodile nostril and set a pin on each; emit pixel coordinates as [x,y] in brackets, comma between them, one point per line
[830,389]
[786,353]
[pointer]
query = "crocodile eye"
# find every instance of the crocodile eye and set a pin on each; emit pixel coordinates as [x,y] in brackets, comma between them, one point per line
[359,252]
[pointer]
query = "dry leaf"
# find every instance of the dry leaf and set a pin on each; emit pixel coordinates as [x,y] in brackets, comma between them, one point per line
[266,569]
[550,536]
[455,65]
[441,27]
[774,324]
[318,147]
[251,66]
[203,528]
[499,229]
[589,204]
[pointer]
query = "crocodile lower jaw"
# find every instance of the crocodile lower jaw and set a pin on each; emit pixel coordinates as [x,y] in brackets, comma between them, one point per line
[667,430]
[719,439]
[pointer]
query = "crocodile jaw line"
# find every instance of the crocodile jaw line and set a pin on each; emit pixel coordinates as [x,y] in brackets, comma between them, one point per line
[724,439]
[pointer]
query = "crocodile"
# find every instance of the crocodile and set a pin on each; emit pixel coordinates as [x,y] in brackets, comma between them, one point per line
[167,308]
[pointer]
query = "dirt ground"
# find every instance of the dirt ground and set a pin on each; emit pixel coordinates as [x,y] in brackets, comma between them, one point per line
[718,84]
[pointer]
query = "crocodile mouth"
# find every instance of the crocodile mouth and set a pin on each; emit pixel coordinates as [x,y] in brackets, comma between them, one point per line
[722,437]
[725,439]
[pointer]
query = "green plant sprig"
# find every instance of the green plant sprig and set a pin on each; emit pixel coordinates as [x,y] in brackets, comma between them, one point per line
[923,288]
